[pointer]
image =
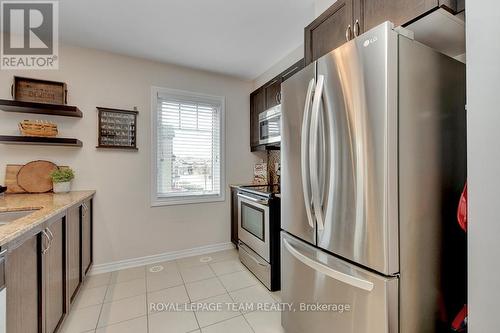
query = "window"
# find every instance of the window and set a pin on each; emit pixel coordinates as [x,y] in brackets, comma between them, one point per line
[188,137]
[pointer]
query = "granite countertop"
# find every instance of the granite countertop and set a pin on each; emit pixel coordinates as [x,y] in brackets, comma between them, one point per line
[44,206]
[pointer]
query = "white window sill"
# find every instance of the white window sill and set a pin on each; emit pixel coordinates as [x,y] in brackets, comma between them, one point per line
[156,202]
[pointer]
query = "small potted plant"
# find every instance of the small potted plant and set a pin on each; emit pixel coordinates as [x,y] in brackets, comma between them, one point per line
[62,180]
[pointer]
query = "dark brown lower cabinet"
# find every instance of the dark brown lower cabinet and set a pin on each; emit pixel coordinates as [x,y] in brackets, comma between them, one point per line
[74,264]
[234,215]
[54,277]
[22,276]
[43,272]
[86,236]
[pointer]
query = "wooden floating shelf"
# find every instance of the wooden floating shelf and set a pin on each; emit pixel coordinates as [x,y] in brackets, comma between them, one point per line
[40,141]
[40,108]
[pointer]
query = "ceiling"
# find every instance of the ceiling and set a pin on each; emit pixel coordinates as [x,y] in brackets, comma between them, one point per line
[241,38]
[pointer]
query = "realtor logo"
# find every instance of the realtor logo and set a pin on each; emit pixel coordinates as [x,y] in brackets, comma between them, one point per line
[30,35]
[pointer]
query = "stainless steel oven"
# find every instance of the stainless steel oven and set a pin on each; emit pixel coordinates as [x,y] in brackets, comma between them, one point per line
[259,233]
[270,126]
[253,223]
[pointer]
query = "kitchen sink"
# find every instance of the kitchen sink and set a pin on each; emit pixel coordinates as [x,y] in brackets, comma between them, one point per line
[7,217]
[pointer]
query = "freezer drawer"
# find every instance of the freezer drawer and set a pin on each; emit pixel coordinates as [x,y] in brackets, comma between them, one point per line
[312,277]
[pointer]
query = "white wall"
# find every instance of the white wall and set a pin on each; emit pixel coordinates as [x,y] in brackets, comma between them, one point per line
[321,5]
[280,66]
[125,225]
[295,55]
[483,104]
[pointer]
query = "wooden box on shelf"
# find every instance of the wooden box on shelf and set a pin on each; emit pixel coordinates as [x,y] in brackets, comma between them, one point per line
[38,128]
[117,128]
[40,91]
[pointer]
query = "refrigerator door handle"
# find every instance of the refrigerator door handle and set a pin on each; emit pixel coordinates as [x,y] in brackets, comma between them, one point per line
[315,155]
[324,269]
[304,149]
[323,159]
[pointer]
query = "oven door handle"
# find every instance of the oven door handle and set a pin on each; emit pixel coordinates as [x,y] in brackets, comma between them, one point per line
[256,200]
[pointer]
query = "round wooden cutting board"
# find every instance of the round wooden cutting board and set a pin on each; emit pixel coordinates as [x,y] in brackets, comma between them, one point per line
[34,177]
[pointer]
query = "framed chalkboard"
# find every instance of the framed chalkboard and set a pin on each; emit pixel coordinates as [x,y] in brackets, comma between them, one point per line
[117,128]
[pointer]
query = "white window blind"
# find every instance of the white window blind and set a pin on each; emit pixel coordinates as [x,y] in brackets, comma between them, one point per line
[188,147]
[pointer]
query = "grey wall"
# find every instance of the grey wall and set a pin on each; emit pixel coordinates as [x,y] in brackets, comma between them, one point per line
[483,101]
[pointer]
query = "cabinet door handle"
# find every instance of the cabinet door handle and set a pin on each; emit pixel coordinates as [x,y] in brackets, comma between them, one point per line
[348,33]
[45,249]
[356,28]
[278,97]
[51,235]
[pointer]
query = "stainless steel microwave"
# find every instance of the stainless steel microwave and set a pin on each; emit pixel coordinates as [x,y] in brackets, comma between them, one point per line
[270,125]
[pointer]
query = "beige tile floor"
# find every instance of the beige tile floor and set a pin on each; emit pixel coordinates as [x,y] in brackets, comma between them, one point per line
[120,302]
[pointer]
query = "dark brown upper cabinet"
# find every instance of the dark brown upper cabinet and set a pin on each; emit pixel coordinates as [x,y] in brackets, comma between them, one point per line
[273,92]
[330,30]
[262,99]
[257,105]
[347,19]
[374,12]
[266,97]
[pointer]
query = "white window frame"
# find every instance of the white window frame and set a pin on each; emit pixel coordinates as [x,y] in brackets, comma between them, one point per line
[187,199]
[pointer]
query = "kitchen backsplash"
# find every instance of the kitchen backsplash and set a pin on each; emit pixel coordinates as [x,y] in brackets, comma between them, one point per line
[268,170]
[273,159]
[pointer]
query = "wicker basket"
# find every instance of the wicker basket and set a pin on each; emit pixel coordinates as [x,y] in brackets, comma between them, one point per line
[38,128]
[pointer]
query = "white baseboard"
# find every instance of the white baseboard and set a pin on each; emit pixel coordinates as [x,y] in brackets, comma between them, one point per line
[136,262]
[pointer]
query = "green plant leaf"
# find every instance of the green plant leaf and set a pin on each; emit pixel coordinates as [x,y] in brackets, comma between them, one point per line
[62,175]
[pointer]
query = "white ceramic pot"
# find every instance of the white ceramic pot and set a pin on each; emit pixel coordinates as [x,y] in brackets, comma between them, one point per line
[62,187]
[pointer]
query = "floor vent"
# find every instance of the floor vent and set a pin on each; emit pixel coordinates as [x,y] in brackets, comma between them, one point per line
[156,269]
[206,259]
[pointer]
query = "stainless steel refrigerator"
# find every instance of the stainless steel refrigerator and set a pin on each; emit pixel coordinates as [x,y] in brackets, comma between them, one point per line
[373,158]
